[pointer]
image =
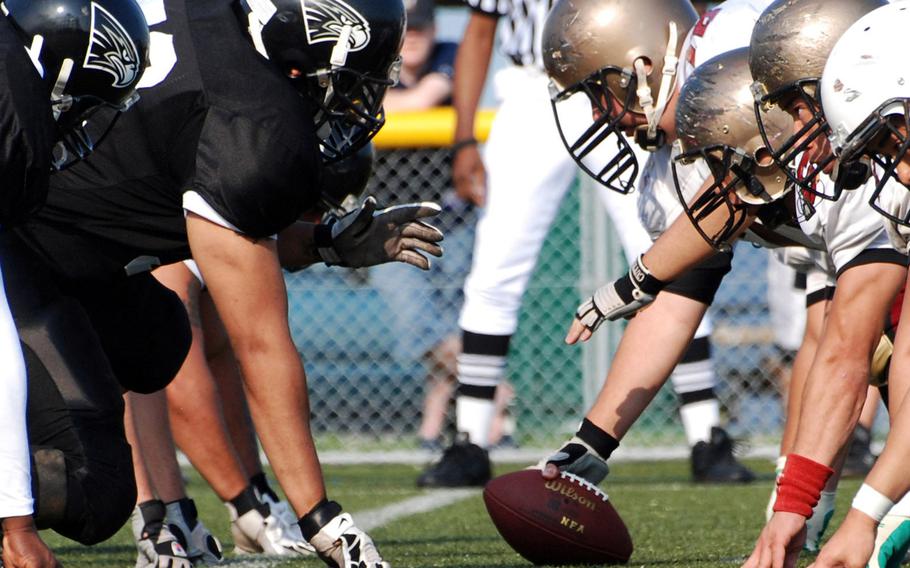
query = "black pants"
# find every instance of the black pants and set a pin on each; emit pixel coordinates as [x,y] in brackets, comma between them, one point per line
[84,345]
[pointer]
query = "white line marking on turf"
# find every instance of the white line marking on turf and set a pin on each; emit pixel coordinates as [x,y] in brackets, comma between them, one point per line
[372,519]
[435,499]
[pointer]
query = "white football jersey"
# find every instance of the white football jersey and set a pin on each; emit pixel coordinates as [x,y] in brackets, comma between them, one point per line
[722,29]
[895,199]
[847,226]
[817,265]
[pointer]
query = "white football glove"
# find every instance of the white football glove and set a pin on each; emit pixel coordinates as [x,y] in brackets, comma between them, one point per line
[337,541]
[620,299]
[157,546]
[200,544]
[367,236]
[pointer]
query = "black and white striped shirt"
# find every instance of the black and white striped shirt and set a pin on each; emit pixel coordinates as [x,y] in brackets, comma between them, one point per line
[521,35]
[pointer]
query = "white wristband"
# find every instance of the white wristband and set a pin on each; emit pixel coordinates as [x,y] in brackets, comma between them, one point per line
[871,502]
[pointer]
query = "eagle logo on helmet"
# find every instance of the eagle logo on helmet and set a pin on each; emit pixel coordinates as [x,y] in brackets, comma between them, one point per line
[111,49]
[326,20]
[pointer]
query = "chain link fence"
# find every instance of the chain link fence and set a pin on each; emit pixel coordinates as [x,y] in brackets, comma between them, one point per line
[364,334]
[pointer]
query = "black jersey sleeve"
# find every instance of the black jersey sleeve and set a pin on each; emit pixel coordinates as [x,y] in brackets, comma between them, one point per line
[255,172]
[28,132]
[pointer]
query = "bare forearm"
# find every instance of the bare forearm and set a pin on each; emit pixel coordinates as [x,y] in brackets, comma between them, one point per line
[681,247]
[889,476]
[471,65]
[276,386]
[632,381]
[836,387]
[246,284]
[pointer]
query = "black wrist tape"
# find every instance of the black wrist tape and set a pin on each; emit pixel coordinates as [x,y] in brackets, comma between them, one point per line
[601,442]
[318,517]
[322,236]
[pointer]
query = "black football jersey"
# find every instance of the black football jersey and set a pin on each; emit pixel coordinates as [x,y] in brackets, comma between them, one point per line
[27,130]
[214,118]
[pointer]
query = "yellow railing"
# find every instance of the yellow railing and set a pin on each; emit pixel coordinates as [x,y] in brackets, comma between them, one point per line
[427,129]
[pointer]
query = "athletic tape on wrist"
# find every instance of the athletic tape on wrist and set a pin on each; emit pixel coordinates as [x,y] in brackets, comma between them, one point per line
[318,517]
[322,240]
[602,443]
[872,503]
[800,485]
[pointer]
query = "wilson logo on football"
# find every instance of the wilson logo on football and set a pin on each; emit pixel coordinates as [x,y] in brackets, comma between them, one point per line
[327,20]
[569,492]
[111,49]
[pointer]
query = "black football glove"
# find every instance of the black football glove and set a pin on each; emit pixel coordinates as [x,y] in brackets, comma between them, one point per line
[367,236]
[620,299]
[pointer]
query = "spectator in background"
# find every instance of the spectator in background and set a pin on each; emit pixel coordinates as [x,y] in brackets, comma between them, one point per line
[427,66]
[427,304]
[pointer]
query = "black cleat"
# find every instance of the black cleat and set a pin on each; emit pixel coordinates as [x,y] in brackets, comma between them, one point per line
[462,464]
[714,462]
[860,458]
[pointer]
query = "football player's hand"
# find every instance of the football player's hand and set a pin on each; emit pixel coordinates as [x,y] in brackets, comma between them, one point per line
[575,456]
[337,541]
[23,548]
[620,299]
[368,236]
[469,175]
[780,542]
[852,544]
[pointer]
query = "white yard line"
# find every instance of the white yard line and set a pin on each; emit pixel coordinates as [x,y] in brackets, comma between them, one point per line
[432,500]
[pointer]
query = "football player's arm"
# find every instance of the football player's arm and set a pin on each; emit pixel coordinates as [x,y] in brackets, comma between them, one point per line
[887,483]
[245,281]
[21,546]
[366,236]
[296,249]
[833,398]
[679,249]
[471,65]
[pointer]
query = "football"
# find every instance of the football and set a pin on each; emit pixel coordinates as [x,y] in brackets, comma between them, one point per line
[560,522]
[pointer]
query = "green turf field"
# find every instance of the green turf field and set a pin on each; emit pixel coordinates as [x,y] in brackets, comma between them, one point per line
[672,522]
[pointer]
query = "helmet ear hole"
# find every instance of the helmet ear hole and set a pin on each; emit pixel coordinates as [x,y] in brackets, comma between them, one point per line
[763,157]
[649,67]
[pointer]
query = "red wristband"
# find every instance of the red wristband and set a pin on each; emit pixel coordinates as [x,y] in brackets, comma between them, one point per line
[800,485]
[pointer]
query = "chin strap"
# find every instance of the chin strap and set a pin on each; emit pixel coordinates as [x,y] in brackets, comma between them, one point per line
[653,111]
[34,53]
[61,103]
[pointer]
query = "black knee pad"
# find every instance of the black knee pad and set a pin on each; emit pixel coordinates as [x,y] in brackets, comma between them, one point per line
[83,477]
[101,496]
[49,486]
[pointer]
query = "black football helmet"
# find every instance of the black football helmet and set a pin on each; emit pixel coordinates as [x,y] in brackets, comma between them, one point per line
[341,54]
[91,54]
[345,180]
